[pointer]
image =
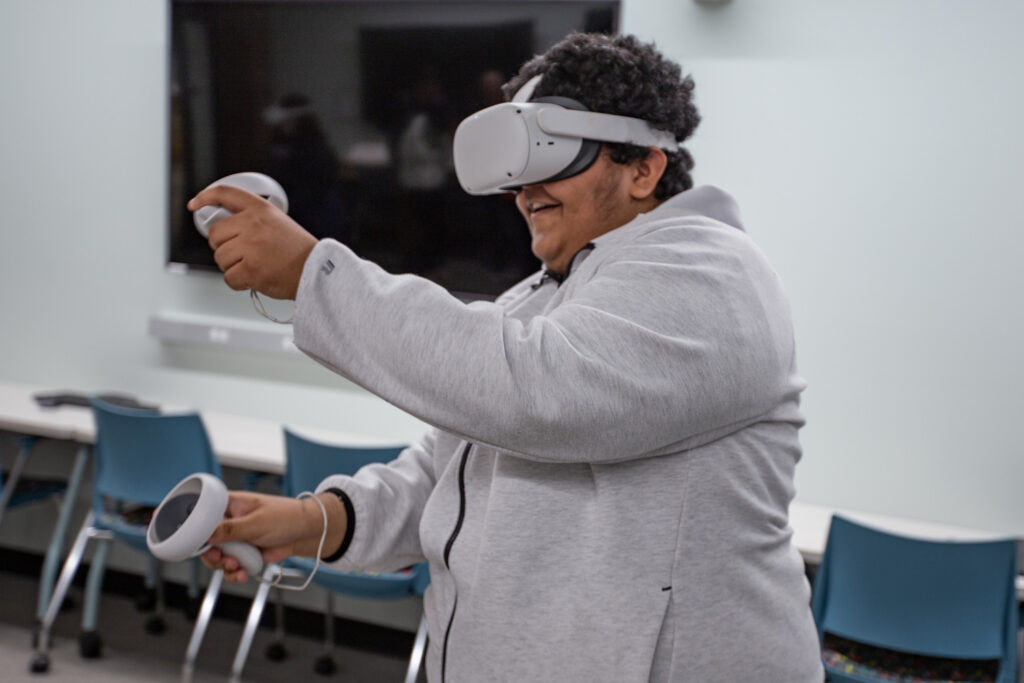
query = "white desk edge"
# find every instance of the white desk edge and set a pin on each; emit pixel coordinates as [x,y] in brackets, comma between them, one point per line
[257,444]
[237,441]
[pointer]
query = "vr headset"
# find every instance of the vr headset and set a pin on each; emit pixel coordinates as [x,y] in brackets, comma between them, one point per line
[523,142]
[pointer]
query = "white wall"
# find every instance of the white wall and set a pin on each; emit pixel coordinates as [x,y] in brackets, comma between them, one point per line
[872,144]
[875,147]
[84,91]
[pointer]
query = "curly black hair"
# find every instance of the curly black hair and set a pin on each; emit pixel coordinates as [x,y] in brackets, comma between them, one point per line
[621,75]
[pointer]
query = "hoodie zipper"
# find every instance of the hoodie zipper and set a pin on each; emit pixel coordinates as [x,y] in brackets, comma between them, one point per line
[448,552]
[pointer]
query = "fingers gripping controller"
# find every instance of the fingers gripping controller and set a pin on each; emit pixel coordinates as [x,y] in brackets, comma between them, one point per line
[257,183]
[248,555]
[187,518]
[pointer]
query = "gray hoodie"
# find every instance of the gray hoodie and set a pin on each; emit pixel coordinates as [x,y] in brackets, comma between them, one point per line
[605,493]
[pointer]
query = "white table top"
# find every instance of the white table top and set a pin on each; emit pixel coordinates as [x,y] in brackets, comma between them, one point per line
[254,444]
[258,445]
[243,442]
[20,413]
[810,524]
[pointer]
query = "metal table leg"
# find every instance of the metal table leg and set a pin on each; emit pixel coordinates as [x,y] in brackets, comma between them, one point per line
[53,552]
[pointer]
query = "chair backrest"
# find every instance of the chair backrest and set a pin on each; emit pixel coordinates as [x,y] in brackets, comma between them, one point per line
[935,598]
[309,462]
[141,454]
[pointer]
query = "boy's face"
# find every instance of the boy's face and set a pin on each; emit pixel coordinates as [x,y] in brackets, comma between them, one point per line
[565,215]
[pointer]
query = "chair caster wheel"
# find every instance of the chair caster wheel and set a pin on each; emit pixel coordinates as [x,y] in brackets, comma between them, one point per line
[324,666]
[90,645]
[275,652]
[40,664]
[145,601]
[156,625]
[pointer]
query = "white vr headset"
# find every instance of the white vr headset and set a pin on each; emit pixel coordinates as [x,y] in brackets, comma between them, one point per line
[517,143]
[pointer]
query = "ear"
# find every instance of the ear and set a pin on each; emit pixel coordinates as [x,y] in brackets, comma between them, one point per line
[647,172]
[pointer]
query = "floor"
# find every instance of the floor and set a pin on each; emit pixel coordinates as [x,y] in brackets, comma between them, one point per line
[132,654]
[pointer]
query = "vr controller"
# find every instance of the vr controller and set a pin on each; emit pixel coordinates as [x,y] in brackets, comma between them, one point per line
[257,183]
[188,516]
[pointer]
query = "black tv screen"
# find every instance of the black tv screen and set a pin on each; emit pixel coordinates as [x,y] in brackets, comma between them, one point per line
[351,106]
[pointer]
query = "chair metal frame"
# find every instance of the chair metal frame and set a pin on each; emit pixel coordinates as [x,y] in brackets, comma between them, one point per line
[68,493]
[327,459]
[153,452]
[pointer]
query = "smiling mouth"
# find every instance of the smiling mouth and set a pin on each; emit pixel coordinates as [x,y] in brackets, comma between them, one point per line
[541,208]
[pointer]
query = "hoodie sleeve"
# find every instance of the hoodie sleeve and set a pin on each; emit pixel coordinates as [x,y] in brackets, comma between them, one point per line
[678,337]
[387,502]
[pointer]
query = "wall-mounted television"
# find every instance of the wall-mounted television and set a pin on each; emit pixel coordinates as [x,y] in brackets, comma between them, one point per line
[351,106]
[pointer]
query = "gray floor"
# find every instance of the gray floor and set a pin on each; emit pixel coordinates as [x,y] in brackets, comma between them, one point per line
[131,654]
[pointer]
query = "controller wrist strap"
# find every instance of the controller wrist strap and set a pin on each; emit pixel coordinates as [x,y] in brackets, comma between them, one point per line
[276,581]
[257,303]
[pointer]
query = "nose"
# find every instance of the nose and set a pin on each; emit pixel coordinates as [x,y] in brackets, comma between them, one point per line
[529,191]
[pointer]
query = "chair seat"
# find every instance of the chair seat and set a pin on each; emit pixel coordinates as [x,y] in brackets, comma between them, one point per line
[390,585]
[138,456]
[851,658]
[129,526]
[29,489]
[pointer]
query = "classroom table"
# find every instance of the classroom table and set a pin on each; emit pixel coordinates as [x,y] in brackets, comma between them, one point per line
[258,445]
[237,441]
[244,443]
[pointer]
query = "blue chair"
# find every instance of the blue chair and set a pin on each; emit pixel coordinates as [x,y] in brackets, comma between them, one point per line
[308,463]
[889,607]
[17,490]
[139,456]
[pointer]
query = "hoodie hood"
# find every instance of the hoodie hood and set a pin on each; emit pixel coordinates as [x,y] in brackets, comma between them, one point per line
[706,200]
